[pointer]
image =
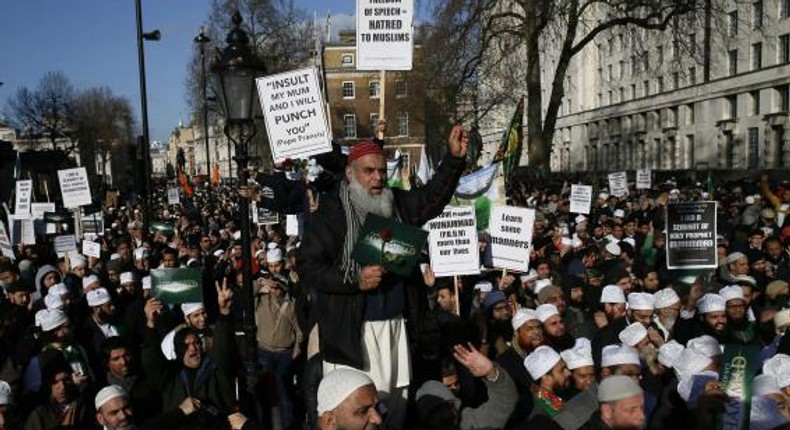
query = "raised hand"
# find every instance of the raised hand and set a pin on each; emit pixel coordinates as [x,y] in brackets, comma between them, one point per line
[458,142]
[152,307]
[478,364]
[224,296]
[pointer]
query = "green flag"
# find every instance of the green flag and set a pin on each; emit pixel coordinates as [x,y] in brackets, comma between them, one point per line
[510,148]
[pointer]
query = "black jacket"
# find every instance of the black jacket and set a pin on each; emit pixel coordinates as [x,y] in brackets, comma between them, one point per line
[340,305]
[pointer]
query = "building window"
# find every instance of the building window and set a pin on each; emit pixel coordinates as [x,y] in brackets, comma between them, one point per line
[782,98]
[675,80]
[347,60]
[757,56]
[660,54]
[622,94]
[757,14]
[754,103]
[693,40]
[646,62]
[784,49]
[633,91]
[732,23]
[754,150]
[374,89]
[784,8]
[645,88]
[731,107]
[600,99]
[692,76]
[732,62]
[660,84]
[609,97]
[622,69]
[689,114]
[633,66]
[403,123]
[350,125]
[348,90]
[611,74]
[675,49]
[400,88]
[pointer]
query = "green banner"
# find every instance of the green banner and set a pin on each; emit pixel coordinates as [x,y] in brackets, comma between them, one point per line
[176,286]
[739,365]
[384,241]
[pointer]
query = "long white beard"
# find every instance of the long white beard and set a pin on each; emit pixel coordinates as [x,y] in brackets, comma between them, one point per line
[365,203]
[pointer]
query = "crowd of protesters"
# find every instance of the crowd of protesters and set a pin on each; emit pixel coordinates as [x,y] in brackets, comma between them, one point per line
[598,334]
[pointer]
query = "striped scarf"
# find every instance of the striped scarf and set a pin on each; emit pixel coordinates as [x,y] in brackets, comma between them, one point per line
[354,221]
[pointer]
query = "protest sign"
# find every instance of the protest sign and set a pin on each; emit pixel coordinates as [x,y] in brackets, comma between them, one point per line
[618,184]
[740,364]
[510,228]
[93,223]
[24,195]
[643,181]
[5,243]
[22,231]
[177,285]
[292,227]
[37,210]
[65,243]
[74,187]
[172,196]
[385,34]
[581,199]
[267,216]
[691,235]
[293,109]
[452,241]
[91,249]
[386,242]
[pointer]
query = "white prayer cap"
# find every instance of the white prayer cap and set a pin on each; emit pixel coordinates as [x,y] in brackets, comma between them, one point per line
[5,393]
[39,317]
[127,278]
[782,319]
[603,196]
[711,303]
[108,393]
[633,334]
[98,297]
[641,301]
[336,386]
[190,308]
[546,311]
[237,235]
[687,384]
[271,245]
[614,355]
[141,253]
[59,288]
[522,316]
[147,282]
[578,356]
[778,366]
[732,292]
[77,260]
[765,384]
[665,298]
[541,284]
[617,387]
[53,301]
[612,294]
[566,241]
[735,256]
[613,248]
[705,344]
[218,253]
[691,361]
[90,279]
[745,279]
[580,219]
[619,213]
[541,361]
[115,256]
[168,346]
[669,353]
[484,286]
[274,255]
[749,200]
[53,319]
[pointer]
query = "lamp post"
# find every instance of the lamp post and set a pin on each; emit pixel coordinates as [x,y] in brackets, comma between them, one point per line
[146,142]
[201,39]
[236,68]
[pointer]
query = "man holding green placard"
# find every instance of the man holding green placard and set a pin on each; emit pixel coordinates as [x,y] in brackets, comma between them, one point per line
[361,307]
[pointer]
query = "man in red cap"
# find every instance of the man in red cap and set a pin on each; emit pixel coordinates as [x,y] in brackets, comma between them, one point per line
[361,308]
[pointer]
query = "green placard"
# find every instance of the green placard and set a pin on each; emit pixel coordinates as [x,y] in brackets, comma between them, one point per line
[176,286]
[739,365]
[399,253]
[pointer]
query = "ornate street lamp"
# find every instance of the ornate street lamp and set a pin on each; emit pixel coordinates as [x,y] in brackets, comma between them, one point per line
[201,39]
[236,69]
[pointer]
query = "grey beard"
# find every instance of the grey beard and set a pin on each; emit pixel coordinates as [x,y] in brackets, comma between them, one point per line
[365,203]
[669,323]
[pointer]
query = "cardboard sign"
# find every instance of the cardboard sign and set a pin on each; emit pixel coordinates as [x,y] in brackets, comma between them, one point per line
[510,228]
[618,184]
[691,235]
[385,34]
[74,187]
[581,199]
[177,285]
[452,241]
[65,243]
[91,249]
[386,242]
[643,181]
[5,244]
[293,108]
[172,196]
[24,195]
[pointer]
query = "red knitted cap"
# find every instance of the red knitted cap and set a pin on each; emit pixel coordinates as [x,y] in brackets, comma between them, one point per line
[364,148]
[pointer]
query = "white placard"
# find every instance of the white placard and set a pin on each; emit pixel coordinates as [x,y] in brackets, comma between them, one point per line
[5,243]
[385,34]
[74,187]
[618,184]
[452,239]
[24,195]
[37,210]
[291,225]
[643,179]
[172,196]
[22,231]
[293,108]
[510,228]
[65,243]
[581,199]
[91,249]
